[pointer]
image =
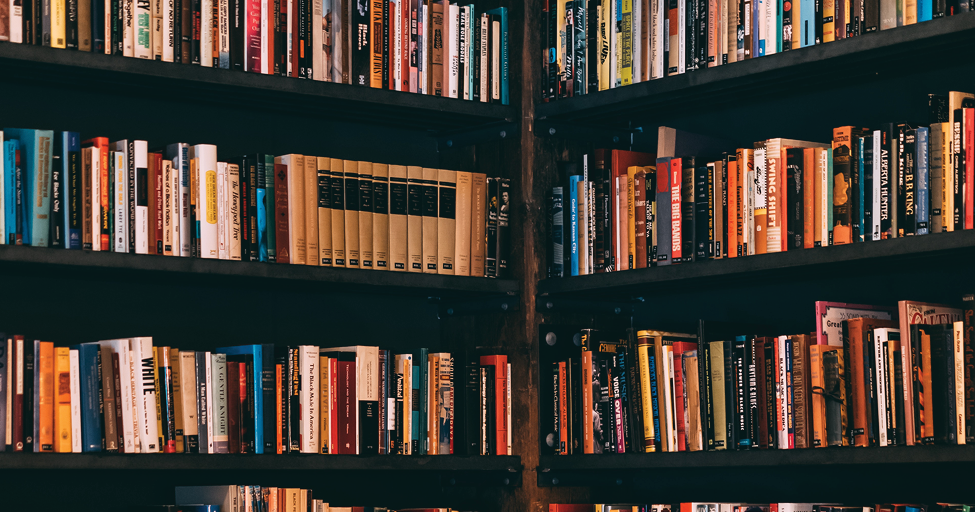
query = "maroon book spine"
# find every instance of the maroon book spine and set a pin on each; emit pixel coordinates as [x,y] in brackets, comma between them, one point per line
[233,406]
[347,407]
[17,408]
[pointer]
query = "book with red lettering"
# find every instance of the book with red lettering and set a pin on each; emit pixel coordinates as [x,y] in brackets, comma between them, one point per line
[500,364]
[621,161]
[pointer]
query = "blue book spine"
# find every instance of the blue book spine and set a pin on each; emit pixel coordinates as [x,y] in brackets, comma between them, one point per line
[261,211]
[924,10]
[861,176]
[807,23]
[573,226]
[778,25]
[71,189]
[502,13]
[90,380]
[558,234]
[421,448]
[257,352]
[923,202]
[415,435]
[41,189]
[10,149]
[3,390]
[28,164]
[472,49]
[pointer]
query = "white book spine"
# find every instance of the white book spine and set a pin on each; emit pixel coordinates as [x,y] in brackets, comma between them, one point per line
[142,29]
[636,33]
[288,50]
[308,361]
[781,399]
[206,33]
[142,199]
[772,37]
[222,238]
[209,403]
[128,28]
[121,199]
[423,32]
[656,29]
[206,155]
[168,32]
[266,66]
[875,195]
[144,393]
[233,176]
[157,28]
[395,36]
[75,401]
[880,378]
[96,204]
[183,205]
[317,52]
[16,30]
[959,337]
[453,51]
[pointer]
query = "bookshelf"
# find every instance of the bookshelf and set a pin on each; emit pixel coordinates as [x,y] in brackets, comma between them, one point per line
[799,94]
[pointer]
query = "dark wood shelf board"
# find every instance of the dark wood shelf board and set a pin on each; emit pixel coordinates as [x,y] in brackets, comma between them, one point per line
[797,264]
[245,91]
[826,65]
[226,462]
[89,264]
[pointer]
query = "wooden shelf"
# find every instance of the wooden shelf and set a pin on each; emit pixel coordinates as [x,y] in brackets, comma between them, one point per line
[934,250]
[251,91]
[132,267]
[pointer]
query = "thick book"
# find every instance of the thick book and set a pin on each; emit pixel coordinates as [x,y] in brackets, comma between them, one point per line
[462,223]
[310,191]
[415,204]
[365,202]
[282,238]
[380,217]
[446,225]
[337,202]
[323,194]
[352,208]
[399,219]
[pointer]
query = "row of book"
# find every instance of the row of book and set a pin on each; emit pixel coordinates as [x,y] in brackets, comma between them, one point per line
[760,507]
[635,210]
[244,498]
[129,396]
[865,376]
[59,191]
[427,47]
[595,45]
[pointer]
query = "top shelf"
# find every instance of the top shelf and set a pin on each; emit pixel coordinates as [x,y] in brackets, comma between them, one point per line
[237,89]
[830,65]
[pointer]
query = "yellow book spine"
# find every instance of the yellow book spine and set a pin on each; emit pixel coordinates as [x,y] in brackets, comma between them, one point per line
[910,12]
[643,360]
[58,20]
[62,418]
[325,404]
[626,43]
[46,398]
[630,218]
[829,20]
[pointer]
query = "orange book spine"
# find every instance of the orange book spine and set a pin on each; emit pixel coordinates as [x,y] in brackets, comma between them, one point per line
[808,198]
[563,447]
[818,386]
[742,189]
[732,240]
[926,400]
[376,44]
[62,390]
[46,397]
[853,349]
[279,445]
[586,364]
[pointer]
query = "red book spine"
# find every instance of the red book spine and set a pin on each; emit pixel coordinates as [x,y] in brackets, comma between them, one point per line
[282,241]
[969,147]
[347,404]
[675,214]
[242,402]
[500,364]
[295,41]
[253,36]
[563,448]
[333,417]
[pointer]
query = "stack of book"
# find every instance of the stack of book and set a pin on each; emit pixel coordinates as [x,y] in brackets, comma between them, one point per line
[241,498]
[428,47]
[129,396]
[633,210]
[761,507]
[594,45]
[179,200]
[865,376]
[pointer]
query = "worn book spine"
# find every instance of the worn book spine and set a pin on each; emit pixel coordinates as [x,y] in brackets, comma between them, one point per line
[446,225]
[324,195]
[380,217]
[399,218]
[365,200]
[310,209]
[352,197]
[281,208]
[337,200]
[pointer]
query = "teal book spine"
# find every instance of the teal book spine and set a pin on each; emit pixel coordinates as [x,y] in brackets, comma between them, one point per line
[10,150]
[502,14]
[257,388]
[36,161]
[89,376]
[269,207]
[807,23]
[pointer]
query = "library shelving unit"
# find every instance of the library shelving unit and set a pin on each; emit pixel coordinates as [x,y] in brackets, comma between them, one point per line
[800,94]
[75,296]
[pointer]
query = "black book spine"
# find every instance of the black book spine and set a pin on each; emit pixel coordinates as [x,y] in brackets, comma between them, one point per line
[794,194]
[580,66]
[268,390]
[592,50]
[253,182]
[29,395]
[236,14]
[360,57]
[707,405]
[504,206]
[469,444]
[28,22]
[910,187]
[57,193]
[703,223]
[690,37]
[770,410]
[45,19]
[702,35]
[635,395]
[818,17]
[871,16]
[942,382]
[938,10]
[97,27]
[855,187]
[71,25]
[575,406]
[555,86]
[730,381]
[887,158]
[178,30]
[688,210]
[293,403]
[195,7]
[117,23]
[489,443]
[753,373]
[900,433]
[567,83]
[130,163]
[491,249]
[870,386]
